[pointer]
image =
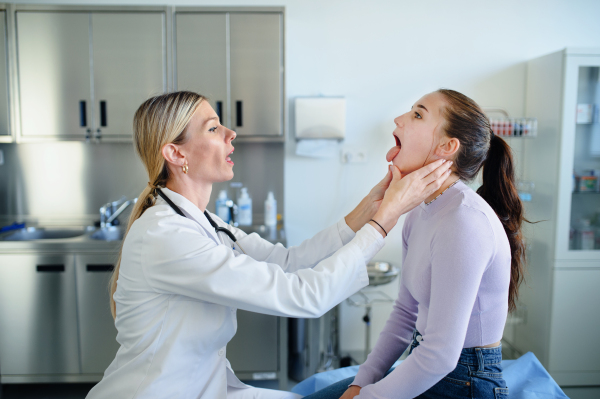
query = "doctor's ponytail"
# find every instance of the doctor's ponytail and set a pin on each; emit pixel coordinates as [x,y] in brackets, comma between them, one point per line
[158,121]
[479,147]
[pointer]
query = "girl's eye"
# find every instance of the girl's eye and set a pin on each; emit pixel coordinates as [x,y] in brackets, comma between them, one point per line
[418,116]
[212,129]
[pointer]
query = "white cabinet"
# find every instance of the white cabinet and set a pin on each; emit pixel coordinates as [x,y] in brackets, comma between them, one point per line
[575,324]
[560,295]
[83,74]
[236,60]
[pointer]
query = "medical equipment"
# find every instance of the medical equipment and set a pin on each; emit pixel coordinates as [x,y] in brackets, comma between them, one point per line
[270,210]
[379,273]
[210,220]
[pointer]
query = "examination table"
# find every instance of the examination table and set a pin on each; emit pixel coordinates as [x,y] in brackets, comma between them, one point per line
[526,379]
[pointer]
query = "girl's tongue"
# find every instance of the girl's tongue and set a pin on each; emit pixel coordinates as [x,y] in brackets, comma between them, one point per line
[392,153]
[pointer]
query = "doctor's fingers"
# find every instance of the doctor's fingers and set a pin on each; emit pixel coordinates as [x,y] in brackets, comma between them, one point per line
[385,182]
[433,171]
[437,177]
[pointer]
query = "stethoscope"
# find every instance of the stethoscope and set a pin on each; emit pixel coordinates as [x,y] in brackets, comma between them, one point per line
[210,220]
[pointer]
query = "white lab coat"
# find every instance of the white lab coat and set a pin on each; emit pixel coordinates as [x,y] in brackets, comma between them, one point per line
[180,284]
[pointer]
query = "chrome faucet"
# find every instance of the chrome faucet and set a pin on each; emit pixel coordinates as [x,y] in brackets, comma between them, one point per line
[111,210]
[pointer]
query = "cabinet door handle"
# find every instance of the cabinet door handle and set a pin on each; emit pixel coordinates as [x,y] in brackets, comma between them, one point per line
[103,117]
[50,268]
[238,111]
[100,268]
[82,114]
[220,111]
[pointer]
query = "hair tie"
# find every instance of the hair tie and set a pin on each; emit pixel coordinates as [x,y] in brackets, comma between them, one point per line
[152,186]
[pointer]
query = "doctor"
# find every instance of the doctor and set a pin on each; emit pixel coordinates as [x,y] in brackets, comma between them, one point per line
[183,272]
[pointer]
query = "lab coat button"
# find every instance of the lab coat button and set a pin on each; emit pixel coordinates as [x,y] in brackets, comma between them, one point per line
[221,351]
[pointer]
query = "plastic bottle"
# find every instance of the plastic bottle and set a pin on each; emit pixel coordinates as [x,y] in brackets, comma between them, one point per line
[244,208]
[270,210]
[586,235]
[222,209]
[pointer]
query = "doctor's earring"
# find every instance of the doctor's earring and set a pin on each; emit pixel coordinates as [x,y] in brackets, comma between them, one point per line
[185,168]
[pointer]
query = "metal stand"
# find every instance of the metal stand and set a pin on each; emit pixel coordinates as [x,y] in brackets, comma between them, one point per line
[366,299]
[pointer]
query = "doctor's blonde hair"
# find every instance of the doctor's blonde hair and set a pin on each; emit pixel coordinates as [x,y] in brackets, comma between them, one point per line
[158,121]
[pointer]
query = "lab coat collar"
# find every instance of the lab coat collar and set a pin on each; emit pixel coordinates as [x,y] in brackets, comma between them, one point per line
[191,211]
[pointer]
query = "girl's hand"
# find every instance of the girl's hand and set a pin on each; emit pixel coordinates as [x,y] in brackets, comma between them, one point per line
[403,194]
[351,392]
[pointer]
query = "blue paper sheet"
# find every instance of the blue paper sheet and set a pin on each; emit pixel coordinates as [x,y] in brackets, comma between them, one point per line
[525,377]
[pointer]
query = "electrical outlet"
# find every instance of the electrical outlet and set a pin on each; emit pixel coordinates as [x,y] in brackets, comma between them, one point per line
[353,156]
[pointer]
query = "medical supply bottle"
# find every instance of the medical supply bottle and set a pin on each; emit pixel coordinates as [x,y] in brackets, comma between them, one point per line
[586,235]
[222,210]
[244,208]
[270,210]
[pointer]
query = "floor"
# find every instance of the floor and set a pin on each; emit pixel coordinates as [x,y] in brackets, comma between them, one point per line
[76,391]
[79,391]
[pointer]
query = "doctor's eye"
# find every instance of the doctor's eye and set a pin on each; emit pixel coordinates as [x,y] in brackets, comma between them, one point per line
[212,129]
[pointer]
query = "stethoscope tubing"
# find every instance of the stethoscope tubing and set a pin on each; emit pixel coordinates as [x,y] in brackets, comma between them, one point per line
[210,220]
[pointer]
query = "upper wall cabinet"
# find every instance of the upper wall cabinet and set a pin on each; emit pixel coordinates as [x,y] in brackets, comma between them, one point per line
[4,124]
[236,60]
[83,74]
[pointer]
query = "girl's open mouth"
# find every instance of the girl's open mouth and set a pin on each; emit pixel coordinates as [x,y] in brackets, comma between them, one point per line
[394,150]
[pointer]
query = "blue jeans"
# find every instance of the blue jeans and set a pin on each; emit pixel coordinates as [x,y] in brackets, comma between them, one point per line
[478,374]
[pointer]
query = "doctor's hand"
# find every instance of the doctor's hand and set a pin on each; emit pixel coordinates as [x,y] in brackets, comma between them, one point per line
[405,193]
[351,392]
[369,205]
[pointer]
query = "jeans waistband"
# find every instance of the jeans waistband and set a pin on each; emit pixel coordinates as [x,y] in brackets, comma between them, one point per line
[472,356]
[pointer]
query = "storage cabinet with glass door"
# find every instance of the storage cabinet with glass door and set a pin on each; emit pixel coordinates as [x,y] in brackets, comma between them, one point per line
[236,60]
[5,132]
[560,297]
[83,74]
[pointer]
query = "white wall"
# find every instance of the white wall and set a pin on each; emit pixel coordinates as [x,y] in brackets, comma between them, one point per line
[382,56]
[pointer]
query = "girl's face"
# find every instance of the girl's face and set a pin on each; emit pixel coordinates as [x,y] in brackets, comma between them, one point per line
[417,134]
[209,147]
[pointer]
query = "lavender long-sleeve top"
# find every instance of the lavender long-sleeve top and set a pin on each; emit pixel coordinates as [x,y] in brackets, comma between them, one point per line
[454,290]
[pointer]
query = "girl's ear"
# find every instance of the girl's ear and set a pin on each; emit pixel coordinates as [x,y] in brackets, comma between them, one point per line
[448,147]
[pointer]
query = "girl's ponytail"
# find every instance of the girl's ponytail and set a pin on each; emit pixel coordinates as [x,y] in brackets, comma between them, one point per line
[500,192]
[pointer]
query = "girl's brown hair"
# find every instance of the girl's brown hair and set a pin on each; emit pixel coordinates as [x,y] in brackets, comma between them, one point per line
[158,121]
[480,147]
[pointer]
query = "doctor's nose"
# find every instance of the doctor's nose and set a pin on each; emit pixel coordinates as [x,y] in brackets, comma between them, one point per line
[231,135]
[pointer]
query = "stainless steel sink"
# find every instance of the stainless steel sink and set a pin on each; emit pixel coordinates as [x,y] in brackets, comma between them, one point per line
[44,233]
[112,233]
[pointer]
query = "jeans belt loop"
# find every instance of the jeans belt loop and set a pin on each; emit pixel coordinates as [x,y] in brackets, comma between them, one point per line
[480,361]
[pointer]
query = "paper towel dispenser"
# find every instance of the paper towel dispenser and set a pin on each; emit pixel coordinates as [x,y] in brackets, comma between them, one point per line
[320,118]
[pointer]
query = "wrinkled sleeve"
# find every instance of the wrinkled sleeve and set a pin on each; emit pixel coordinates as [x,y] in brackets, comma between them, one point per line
[178,259]
[397,332]
[306,255]
[462,248]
